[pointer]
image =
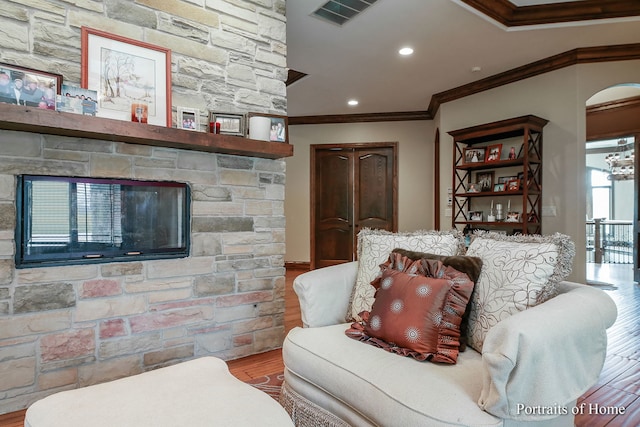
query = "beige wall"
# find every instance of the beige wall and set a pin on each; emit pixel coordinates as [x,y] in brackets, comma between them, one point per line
[415,176]
[559,97]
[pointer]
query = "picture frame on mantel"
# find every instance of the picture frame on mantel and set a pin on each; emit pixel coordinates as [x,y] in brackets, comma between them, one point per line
[188,118]
[279,127]
[125,71]
[26,86]
[230,123]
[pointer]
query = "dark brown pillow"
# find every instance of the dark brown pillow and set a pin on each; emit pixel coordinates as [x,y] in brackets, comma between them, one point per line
[469,265]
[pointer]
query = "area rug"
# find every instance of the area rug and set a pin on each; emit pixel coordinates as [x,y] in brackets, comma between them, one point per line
[270,384]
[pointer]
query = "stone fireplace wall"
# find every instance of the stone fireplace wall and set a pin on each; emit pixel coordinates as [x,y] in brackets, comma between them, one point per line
[72,326]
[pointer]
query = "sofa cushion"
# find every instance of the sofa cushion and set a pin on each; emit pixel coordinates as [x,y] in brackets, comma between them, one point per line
[374,247]
[518,272]
[387,389]
[417,312]
[471,266]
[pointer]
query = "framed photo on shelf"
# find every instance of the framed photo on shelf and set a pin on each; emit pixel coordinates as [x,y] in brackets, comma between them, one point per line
[505,179]
[269,127]
[125,73]
[188,118]
[230,124]
[513,154]
[25,86]
[474,155]
[498,187]
[475,216]
[485,180]
[494,152]
[513,217]
[512,185]
[472,187]
[529,183]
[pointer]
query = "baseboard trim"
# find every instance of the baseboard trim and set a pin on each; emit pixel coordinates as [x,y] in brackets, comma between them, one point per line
[297,265]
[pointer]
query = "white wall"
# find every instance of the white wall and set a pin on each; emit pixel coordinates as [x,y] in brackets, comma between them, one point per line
[415,174]
[559,97]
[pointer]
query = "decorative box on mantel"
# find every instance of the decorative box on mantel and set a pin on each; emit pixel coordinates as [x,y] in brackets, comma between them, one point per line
[28,119]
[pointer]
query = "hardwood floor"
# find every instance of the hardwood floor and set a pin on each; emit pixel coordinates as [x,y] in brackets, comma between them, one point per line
[618,387]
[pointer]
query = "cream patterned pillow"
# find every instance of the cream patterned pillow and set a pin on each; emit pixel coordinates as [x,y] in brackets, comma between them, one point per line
[374,247]
[518,272]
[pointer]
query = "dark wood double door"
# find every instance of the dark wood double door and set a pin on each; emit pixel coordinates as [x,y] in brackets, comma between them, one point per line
[352,186]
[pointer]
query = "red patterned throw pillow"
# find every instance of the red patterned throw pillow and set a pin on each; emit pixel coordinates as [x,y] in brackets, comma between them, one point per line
[417,310]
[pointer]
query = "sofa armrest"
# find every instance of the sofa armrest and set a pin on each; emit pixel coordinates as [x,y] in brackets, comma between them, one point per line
[324,294]
[548,355]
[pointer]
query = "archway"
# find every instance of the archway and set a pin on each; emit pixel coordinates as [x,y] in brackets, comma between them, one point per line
[613,134]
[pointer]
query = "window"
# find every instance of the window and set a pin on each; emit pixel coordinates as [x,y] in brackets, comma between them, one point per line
[600,194]
[64,220]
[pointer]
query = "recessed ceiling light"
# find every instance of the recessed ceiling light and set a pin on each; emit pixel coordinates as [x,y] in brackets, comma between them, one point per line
[353,102]
[405,51]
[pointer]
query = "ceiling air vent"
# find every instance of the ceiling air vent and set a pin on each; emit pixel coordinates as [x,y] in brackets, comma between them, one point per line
[341,11]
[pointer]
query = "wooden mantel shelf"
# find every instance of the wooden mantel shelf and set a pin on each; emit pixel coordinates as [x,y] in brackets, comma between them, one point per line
[29,119]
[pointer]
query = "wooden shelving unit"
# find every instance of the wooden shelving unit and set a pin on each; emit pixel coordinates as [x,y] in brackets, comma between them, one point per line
[29,119]
[525,131]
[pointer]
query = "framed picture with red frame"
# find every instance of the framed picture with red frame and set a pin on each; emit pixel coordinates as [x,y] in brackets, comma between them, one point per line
[494,152]
[512,185]
[125,73]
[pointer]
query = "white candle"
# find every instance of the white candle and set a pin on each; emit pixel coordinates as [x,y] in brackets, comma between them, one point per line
[492,205]
[509,206]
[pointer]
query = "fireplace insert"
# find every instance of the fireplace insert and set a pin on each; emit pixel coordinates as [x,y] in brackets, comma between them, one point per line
[70,220]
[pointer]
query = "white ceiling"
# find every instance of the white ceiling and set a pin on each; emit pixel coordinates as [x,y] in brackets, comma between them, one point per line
[360,60]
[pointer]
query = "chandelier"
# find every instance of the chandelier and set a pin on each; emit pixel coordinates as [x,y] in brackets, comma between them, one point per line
[621,163]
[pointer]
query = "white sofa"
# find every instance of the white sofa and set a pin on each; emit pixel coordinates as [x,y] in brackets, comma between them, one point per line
[533,367]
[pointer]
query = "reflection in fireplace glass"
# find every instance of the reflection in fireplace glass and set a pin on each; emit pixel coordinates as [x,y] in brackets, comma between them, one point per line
[64,220]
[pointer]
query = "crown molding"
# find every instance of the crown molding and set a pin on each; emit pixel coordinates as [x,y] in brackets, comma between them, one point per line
[510,15]
[632,102]
[585,55]
[360,118]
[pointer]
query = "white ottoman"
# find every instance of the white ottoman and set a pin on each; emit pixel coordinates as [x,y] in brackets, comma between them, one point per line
[199,392]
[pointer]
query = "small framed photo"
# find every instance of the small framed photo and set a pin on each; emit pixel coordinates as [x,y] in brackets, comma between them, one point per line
[473,187]
[494,152]
[513,217]
[77,100]
[485,180]
[512,153]
[269,127]
[529,183]
[25,86]
[512,185]
[498,187]
[475,215]
[505,179]
[188,118]
[230,123]
[474,155]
